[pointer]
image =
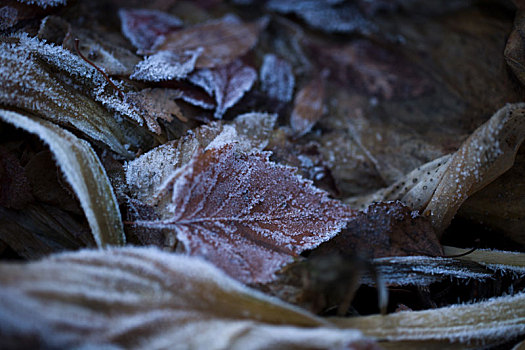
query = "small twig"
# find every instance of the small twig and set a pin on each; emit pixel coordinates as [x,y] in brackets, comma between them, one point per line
[121,94]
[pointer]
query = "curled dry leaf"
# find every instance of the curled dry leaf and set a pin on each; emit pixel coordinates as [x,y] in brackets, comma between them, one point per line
[277,78]
[139,298]
[145,27]
[382,230]
[487,322]
[146,175]
[43,79]
[221,41]
[227,83]
[245,214]
[84,172]
[440,187]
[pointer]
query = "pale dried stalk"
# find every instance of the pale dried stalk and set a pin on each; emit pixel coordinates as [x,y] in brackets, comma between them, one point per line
[84,172]
[503,259]
[494,320]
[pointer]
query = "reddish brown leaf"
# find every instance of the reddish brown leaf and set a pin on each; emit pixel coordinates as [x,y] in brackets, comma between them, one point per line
[386,229]
[308,106]
[144,27]
[245,214]
[227,83]
[222,41]
[155,104]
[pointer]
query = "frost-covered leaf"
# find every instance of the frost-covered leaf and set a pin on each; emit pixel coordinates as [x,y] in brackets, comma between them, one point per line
[84,172]
[494,259]
[145,27]
[334,16]
[146,174]
[277,78]
[227,83]
[154,104]
[221,41]
[245,214]
[166,65]
[488,322]
[48,80]
[308,106]
[385,229]
[140,298]
[44,3]
[438,188]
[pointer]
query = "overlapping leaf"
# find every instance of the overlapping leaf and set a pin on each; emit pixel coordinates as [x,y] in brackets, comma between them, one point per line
[221,41]
[440,187]
[277,78]
[308,106]
[82,169]
[227,83]
[138,298]
[245,214]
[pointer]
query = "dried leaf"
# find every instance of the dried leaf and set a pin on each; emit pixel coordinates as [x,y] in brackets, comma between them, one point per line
[41,78]
[385,229]
[139,298]
[228,84]
[146,175]
[166,65]
[440,187]
[333,16]
[44,3]
[245,214]
[277,78]
[494,259]
[308,106]
[482,323]
[84,172]
[155,104]
[221,41]
[145,27]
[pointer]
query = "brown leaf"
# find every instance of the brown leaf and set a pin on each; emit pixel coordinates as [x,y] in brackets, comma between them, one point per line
[154,104]
[145,27]
[245,214]
[308,106]
[515,49]
[227,83]
[166,65]
[222,41]
[385,229]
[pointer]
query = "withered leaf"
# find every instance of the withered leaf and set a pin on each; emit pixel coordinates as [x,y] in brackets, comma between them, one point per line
[334,16]
[146,175]
[245,214]
[155,104]
[308,106]
[377,70]
[440,187]
[44,3]
[143,298]
[43,79]
[84,172]
[221,41]
[166,65]
[277,78]
[227,83]
[145,27]
[382,230]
